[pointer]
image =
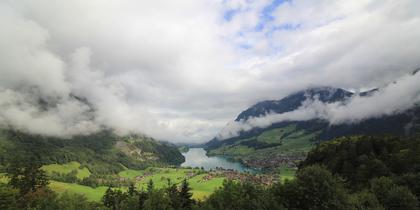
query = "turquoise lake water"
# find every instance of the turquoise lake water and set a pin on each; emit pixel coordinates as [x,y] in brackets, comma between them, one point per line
[196,157]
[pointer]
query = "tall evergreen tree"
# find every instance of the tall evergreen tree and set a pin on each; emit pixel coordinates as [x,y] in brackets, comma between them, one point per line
[26,175]
[150,186]
[142,197]
[131,190]
[108,198]
[185,195]
[173,195]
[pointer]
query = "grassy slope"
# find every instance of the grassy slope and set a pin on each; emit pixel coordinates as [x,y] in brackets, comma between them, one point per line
[3,178]
[131,174]
[200,189]
[98,152]
[287,173]
[93,194]
[288,139]
[67,168]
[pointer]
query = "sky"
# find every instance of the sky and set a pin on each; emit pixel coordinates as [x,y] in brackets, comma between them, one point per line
[182,70]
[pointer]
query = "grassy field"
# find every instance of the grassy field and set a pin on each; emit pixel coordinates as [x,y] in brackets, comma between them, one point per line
[276,135]
[160,178]
[93,194]
[287,140]
[291,138]
[299,140]
[3,178]
[67,168]
[200,188]
[287,173]
[235,150]
[131,174]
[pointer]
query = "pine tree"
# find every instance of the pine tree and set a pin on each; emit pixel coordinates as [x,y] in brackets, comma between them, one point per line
[185,195]
[108,198]
[142,197]
[131,190]
[173,195]
[26,175]
[150,186]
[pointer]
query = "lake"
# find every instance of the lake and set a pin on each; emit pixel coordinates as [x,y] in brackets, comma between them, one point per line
[196,157]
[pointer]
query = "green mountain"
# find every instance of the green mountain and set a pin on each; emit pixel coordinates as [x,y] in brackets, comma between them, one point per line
[102,153]
[286,143]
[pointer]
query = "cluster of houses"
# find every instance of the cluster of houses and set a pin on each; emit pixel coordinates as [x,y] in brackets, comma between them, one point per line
[264,179]
[141,177]
[189,174]
[274,161]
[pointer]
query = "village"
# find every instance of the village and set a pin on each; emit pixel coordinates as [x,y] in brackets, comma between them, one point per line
[275,161]
[229,174]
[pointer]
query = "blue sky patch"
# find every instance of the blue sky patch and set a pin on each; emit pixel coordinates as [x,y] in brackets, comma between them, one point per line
[267,13]
[228,15]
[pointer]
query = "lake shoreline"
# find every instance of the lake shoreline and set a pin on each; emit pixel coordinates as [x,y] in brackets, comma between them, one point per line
[197,157]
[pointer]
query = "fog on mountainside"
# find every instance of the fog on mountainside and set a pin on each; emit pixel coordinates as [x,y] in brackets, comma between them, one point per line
[335,106]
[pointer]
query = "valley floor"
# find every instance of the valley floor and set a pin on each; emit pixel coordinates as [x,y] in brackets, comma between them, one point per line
[203,183]
[160,176]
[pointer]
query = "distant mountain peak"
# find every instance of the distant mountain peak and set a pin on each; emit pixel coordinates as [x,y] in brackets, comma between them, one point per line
[326,93]
[319,89]
[295,100]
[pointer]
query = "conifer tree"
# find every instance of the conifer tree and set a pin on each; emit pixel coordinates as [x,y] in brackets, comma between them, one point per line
[186,195]
[131,190]
[108,198]
[26,175]
[150,186]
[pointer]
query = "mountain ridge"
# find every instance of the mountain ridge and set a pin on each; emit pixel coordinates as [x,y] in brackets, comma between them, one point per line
[293,101]
[298,136]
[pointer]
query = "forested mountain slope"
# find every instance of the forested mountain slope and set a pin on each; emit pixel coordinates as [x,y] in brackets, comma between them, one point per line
[101,153]
[287,142]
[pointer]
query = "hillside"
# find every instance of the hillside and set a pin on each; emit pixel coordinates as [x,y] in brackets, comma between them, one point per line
[102,153]
[287,142]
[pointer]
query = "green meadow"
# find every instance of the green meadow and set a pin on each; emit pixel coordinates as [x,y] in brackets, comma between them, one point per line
[82,172]
[93,194]
[3,178]
[204,189]
[159,176]
[286,140]
[286,173]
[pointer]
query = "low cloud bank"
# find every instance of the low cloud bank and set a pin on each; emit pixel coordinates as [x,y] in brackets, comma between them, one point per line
[179,70]
[391,99]
[106,69]
[61,109]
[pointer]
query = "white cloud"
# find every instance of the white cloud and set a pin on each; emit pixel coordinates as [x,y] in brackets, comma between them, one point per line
[177,70]
[392,99]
